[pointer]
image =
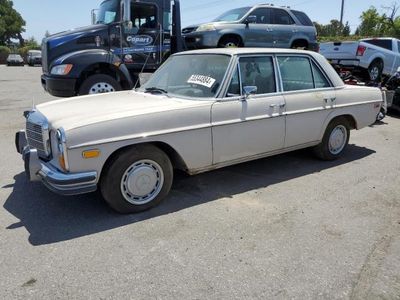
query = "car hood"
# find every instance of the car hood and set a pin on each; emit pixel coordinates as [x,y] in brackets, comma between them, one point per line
[77,112]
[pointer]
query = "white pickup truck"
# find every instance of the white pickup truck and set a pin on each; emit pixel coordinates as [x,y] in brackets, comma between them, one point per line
[372,57]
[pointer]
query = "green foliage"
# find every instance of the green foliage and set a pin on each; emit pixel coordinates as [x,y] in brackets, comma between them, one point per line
[11,23]
[334,28]
[4,52]
[30,44]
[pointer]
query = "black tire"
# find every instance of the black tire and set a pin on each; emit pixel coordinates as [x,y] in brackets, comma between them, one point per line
[106,84]
[115,177]
[375,70]
[323,150]
[300,45]
[229,42]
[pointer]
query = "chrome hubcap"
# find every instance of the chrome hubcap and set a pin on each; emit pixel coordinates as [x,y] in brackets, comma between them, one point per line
[337,139]
[142,182]
[101,87]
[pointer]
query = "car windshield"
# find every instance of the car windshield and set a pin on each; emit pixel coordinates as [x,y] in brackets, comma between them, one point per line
[107,12]
[233,15]
[189,76]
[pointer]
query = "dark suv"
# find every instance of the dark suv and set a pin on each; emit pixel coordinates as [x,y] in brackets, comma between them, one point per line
[258,26]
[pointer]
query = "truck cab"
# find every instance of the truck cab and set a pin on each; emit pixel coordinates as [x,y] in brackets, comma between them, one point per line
[127,37]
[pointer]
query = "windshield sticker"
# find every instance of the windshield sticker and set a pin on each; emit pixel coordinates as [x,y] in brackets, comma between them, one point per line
[202,80]
[109,17]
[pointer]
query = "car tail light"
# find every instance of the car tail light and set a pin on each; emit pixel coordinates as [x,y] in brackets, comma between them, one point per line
[361,50]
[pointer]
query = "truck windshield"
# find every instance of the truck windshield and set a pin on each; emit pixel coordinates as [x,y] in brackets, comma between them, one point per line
[233,15]
[189,76]
[107,12]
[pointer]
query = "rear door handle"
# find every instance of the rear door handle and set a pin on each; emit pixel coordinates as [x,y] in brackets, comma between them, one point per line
[281,105]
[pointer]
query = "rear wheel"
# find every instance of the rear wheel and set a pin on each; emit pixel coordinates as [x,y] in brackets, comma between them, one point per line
[137,179]
[335,140]
[375,70]
[99,84]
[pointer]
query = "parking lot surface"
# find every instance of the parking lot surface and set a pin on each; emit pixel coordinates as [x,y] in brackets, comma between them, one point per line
[288,226]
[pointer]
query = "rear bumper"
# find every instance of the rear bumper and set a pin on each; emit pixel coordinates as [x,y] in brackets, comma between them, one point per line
[59,87]
[350,63]
[55,180]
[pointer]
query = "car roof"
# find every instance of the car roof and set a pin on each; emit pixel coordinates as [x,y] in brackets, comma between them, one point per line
[241,51]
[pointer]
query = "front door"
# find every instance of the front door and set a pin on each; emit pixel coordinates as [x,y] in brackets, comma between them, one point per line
[140,44]
[259,34]
[249,127]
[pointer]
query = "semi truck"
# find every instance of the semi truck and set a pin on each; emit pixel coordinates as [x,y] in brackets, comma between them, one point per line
[127,37]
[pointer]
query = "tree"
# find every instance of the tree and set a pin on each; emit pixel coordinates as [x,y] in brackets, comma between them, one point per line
[47,34]
[11,23]
[334,28]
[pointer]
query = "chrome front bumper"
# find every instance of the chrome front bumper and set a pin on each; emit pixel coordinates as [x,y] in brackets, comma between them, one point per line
[55,180]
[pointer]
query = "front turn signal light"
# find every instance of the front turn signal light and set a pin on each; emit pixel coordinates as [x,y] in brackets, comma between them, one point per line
[91,154]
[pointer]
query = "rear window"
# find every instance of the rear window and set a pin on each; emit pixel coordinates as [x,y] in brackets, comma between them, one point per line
[387,44]
[303,18]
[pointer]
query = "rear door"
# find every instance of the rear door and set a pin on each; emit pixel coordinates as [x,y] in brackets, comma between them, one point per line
[283,27]
[309,98]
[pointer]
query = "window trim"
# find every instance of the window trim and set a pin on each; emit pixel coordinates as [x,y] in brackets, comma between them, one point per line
[310,58]
[236,63]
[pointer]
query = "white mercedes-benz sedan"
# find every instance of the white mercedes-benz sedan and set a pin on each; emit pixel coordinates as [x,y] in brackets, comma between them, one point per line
[200,111]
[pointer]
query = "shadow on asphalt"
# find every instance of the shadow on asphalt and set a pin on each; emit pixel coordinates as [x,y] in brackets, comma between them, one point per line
[50,218]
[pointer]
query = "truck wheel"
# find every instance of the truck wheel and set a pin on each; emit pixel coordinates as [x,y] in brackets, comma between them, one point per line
[375,70]
[335,140]
[137,179]
[98,84]
[229,42]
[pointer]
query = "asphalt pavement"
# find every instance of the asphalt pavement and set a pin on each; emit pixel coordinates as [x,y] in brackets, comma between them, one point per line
[288,226]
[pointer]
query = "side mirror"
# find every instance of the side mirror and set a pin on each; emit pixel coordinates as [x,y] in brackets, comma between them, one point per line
[251,20]
[398,69]
[249,90]
[94,16]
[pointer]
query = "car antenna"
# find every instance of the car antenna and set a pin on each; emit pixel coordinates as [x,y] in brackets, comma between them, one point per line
[147,58]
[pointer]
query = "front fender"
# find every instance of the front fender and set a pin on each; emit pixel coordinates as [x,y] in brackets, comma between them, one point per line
[84,59]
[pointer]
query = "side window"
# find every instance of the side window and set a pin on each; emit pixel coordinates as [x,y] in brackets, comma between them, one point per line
[144,15]
[262,15]
[259,72]
[296,73]
[319,78]
[398,47]
[279,16]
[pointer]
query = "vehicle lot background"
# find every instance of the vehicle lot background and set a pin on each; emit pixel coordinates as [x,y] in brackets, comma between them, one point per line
[284,227]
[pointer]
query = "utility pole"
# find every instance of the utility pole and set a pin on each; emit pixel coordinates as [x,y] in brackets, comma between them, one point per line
[341,14]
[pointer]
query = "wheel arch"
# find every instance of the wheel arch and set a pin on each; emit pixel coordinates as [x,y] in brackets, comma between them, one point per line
[226,35]
[300,41]
[176,159]
[349,117]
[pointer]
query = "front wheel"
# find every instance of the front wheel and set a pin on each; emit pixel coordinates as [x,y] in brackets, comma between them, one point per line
[137,179]
[99,84]
[229,42]
[335,140]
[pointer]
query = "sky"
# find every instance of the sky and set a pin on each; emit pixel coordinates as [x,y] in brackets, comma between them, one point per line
[60,15]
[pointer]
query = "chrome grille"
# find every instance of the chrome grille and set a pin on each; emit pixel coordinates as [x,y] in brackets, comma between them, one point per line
[45,67]
[37,133]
